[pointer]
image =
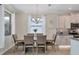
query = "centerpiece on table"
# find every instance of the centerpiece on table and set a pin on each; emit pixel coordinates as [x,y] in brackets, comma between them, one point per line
[35,37]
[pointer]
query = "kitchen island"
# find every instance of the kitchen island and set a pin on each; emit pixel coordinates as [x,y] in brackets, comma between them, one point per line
[75,46]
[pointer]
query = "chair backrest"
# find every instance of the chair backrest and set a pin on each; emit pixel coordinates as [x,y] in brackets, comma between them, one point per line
[55,36]
[30,34]
[28,39]
[39,34]
[14,37]
[41,39]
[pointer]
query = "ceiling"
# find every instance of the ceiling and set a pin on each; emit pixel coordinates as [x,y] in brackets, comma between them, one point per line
[46,8]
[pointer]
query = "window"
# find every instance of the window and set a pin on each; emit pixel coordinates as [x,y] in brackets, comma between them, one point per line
[36,24]
[7,17]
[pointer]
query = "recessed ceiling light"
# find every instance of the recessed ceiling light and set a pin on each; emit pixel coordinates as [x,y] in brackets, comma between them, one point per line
[69,8]
[49,5]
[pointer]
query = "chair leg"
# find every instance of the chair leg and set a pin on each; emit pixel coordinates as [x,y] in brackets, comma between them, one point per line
[55,47]
[16,46]
[45,49]
[33,49]
[36,50]
[14,50]
[24,50]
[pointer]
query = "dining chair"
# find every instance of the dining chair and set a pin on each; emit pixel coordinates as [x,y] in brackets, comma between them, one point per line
[39,34]
[30,34]
[52,42]
[17,42]
[28,42]
[54,45]
[41,42]
[54,39]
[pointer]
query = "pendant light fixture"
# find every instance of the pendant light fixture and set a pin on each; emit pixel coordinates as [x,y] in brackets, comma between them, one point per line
[36,19]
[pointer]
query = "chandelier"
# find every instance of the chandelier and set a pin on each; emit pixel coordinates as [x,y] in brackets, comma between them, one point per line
[36,20]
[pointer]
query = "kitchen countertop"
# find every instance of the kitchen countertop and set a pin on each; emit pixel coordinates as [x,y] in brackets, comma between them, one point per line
[76,39]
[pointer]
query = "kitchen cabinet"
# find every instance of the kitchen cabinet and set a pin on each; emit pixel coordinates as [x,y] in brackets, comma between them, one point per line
[75,46]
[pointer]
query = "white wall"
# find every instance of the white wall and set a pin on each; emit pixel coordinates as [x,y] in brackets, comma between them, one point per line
[2,26]
[51,25]
[21,23]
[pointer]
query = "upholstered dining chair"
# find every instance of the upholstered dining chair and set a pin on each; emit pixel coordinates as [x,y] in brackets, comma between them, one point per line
[28,42]
[30,34]
[41,42]
[53,43]
[17,42]
[54,39]
[39,34]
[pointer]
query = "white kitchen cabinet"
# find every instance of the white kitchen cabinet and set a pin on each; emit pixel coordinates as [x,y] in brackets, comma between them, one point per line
[61,22]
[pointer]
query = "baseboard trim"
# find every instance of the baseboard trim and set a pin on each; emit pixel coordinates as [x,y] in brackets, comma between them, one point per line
[7,49]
